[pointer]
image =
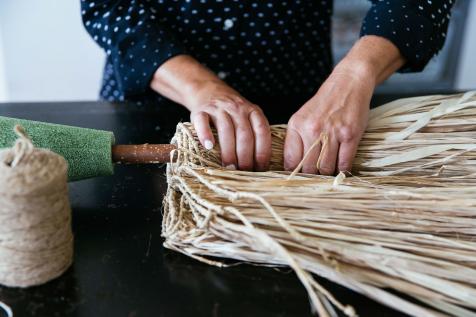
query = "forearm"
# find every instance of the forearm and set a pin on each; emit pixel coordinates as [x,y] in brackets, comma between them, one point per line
[372,58]
[180,77]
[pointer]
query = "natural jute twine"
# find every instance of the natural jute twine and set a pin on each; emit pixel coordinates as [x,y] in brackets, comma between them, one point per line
[36,242]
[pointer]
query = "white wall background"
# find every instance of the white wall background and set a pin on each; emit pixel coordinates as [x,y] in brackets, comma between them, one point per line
[3,75]
[47,53]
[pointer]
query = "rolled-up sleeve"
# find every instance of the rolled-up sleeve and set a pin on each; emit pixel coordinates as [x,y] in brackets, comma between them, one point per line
[131,35]
[418,28]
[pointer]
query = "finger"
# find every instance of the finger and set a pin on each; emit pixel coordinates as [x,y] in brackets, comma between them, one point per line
[201,122]
[244,141]
[226,137]
[262,136]
[293,149]
[346,156]
[312,149]
[328,160]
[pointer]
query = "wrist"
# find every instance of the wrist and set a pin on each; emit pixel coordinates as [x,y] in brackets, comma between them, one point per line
[372,58]
[359,68]
[195,89]
[183,80]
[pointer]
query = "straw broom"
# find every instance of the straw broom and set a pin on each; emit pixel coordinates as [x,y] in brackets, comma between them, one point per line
[414,233]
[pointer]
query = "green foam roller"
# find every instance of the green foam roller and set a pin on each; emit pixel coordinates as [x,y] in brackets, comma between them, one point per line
[87,151]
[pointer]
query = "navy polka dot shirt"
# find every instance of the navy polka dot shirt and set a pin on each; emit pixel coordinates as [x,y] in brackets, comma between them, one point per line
[273,48]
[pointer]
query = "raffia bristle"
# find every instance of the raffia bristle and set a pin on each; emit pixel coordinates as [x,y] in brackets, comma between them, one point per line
[405,222]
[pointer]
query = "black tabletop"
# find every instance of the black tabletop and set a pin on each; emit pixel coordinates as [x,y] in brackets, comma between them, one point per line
[120,266]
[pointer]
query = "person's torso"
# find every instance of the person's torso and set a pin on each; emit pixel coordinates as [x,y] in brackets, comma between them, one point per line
[258,47]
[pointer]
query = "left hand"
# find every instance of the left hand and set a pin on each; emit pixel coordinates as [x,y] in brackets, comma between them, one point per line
[339,109]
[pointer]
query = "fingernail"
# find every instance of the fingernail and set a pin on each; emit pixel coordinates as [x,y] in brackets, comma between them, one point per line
[208,144]
[231,167]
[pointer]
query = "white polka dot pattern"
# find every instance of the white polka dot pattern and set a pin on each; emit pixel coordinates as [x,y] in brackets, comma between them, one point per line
[276,48]
[417,27]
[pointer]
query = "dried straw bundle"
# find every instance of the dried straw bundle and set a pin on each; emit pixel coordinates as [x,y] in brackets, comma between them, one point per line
[414,234]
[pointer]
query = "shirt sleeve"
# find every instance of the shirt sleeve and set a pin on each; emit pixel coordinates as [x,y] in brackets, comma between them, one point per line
[417,27]
[131,35]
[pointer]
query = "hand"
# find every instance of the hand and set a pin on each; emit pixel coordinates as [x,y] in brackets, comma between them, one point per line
[340,110]
[243,130]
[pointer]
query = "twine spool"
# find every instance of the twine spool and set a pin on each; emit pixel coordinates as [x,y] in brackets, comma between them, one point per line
[36,241]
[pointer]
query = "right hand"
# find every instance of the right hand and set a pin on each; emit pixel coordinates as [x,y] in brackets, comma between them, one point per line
[243,130]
